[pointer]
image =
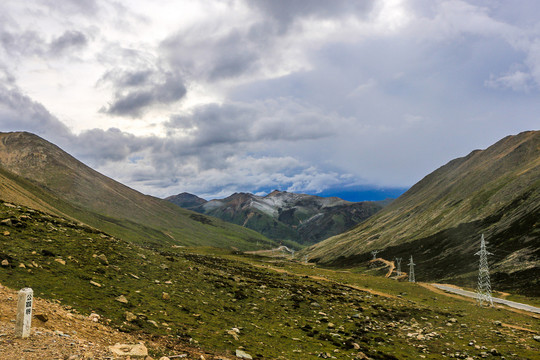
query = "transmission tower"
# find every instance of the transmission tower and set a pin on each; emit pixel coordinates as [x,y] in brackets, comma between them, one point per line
[483,291]
[374,253]
[411,270]
[398,271]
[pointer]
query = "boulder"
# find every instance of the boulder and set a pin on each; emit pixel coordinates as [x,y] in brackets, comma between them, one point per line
[129,350]
[242,354]
[130,316]
[103,259]
[42,317]
[122,299]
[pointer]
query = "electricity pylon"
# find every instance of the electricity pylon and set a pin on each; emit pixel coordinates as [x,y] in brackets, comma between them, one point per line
[411,270]
[398,271]
[483,291]
[374,253]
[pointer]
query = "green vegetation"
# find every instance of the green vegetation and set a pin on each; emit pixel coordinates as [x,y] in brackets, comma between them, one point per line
[36,173]
[439,221]
[222,300]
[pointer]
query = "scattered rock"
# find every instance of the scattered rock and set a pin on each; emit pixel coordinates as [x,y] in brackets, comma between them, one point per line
[122,299]
[153,323]
[21,265]
[7,233]
[60,261]
[130,316]
[497,323]
[536,337]
[242,354]
[6,222]
[103,259]
[94,317]
[129,350]
[495,352]
[42,317]
[165,296]
[361,356]
[5,262]
[95,283]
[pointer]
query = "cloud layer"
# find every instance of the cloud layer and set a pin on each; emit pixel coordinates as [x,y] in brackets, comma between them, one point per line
[213,97]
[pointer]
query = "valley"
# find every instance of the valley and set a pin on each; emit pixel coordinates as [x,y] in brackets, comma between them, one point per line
[218,300]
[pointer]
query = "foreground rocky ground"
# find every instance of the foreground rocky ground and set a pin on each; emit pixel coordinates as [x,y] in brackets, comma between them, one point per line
[59,332]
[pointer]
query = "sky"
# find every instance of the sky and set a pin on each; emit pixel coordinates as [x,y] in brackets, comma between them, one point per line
[213,97]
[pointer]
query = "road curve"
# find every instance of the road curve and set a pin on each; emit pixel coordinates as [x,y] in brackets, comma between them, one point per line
[495,300]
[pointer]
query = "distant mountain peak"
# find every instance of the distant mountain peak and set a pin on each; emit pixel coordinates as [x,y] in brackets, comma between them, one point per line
[283,215]
[276,193]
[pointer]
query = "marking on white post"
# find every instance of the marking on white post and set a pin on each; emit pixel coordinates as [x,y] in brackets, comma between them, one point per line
[24,312]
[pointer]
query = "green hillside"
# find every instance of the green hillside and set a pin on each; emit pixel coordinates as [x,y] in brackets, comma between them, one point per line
[440,219]
[221,300]
[37,173]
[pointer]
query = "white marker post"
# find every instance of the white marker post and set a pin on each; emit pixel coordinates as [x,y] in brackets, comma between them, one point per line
[24,313]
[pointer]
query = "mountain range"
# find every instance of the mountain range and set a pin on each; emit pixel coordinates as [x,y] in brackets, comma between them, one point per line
[439,221]
[40,175]
[281,215]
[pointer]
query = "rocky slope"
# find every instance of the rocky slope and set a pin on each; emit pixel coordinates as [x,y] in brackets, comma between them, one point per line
[440,219]
[36,173]
[283,215]
[187,302]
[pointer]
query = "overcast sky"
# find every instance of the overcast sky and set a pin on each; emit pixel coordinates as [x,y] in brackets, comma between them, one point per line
[213,97]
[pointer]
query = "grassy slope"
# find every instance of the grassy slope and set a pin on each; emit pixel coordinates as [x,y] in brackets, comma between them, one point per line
[440,219]
[52,180]
[212,291]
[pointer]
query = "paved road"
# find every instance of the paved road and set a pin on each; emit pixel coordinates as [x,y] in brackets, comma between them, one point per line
[495,300]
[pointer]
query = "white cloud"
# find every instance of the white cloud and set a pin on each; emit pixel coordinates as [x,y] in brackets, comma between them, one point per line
[221,96]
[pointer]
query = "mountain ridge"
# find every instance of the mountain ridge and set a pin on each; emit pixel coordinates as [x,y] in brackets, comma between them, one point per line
[439,220]
[283,215]
[55,181]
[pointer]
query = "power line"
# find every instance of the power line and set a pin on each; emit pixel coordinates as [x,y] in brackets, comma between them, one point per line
[411,270]
[398,271]
[483,291]
[374,253]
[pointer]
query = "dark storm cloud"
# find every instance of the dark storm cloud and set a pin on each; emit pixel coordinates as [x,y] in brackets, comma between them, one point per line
[30,43]
[137,90]
[19,112]
[286,12]
[67,41]
[100,146]
[258,122]
[25,43]
[86,7]
[225,54]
